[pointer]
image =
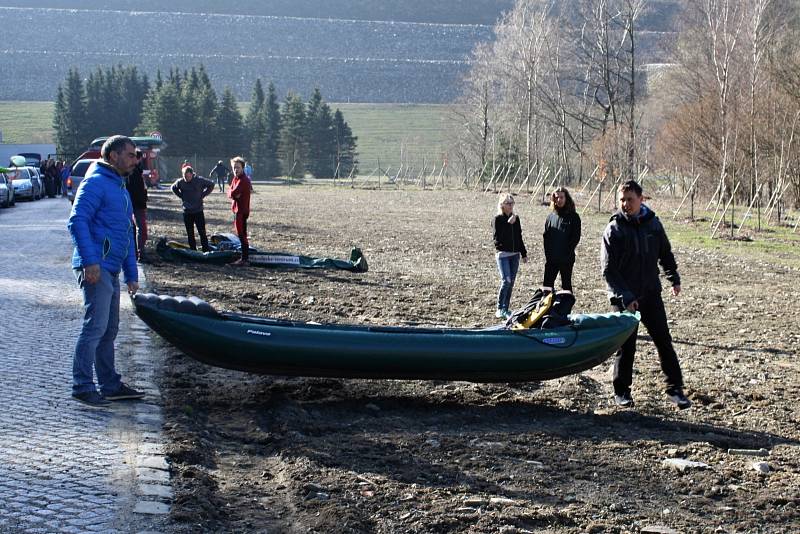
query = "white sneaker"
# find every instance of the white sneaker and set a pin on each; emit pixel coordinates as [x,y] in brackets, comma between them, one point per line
[500,314]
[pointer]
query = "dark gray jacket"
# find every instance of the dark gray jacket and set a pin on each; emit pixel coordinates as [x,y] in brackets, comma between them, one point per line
[192,193]
[630,254]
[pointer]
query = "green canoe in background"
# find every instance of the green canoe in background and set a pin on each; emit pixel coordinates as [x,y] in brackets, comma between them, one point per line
[270,346]
[226,249]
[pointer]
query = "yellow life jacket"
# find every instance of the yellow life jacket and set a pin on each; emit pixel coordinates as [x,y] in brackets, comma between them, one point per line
[536,314]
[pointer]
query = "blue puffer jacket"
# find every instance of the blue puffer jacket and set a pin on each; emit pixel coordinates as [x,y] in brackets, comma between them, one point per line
[101,223]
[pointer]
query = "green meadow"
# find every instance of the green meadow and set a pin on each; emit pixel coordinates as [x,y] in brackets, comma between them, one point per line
[385,131]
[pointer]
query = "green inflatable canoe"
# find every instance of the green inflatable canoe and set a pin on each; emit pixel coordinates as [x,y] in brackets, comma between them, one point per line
[174,251]
[277,347]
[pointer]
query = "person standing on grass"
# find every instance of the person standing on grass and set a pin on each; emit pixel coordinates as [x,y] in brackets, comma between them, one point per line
[221,172]
[239,193]
[510,247]
[562,232]
[634,244]
[192,190]
[101,226]
[138,192]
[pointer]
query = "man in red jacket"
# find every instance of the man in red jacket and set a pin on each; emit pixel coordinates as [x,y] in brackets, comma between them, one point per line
[239,193]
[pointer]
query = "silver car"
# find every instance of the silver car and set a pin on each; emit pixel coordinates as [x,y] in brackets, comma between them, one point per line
[76,175]
[6,191]
[26,185]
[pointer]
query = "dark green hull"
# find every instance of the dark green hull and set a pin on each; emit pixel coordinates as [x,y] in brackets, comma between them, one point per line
[170,251]
[269,346]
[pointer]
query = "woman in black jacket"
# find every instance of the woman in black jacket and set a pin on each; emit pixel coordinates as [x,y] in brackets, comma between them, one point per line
[562,232]
[509,246]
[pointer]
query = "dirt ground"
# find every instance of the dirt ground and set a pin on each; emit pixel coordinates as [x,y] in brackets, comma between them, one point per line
[273,454]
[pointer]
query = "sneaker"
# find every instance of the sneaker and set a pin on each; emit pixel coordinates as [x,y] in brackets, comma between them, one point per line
[92,399]
[678,398]
[506,314]
[241,263]
[500,314]
[624,400]
[125,392]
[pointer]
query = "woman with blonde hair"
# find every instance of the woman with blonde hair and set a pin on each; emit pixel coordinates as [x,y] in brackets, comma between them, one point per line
[510,248]
[562,232]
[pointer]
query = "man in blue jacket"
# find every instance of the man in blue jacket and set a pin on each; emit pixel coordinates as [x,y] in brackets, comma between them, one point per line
[634,244]
[102,230]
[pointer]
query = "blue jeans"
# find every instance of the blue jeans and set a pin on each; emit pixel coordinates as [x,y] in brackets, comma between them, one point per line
[95,347]
[508,267]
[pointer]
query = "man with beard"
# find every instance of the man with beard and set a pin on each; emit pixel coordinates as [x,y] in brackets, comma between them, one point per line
[101,226]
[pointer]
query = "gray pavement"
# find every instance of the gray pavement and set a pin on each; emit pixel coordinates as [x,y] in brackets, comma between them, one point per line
[65,467]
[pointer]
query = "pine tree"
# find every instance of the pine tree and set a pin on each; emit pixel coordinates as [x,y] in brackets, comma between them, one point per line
[162,112]
[346,154]
[272,164]
[293,136]
[230,126]
[320,137]
[251,118]
[69,118]
[258,140]
[190,116]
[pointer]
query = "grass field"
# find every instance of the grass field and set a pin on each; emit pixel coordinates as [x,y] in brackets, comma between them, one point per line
[384,131]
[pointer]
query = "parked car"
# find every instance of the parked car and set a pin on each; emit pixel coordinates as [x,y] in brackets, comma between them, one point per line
[36,175]
[32,159]
[77,173]
[25,184]
[6,191]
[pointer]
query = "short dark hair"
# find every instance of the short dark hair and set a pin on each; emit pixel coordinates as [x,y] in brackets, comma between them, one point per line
[115,143]
[631,185]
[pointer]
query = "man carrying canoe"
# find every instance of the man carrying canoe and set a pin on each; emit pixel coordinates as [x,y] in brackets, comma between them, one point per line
[634,244]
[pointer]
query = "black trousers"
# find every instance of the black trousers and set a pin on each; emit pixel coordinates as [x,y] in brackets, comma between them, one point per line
[551,270]
[199,220]
[654,318]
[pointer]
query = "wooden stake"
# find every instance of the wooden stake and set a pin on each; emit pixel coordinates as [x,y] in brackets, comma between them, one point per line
[688,191]
[722,217]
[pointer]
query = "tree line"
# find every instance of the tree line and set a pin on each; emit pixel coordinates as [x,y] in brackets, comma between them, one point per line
[564,86]
[292,138]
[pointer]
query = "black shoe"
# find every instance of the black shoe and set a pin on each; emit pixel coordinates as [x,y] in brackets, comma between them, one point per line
[125,393]
[92,399]
[624,400]
[678,398]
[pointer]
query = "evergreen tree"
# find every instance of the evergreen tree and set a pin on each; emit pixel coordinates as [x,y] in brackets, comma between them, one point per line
[293,136]
[190,120]
[251,118]
[258,140]
[69,118]
[132,90]
[230,126]
[272,165]
[346,154]
[162,111]
[320,138]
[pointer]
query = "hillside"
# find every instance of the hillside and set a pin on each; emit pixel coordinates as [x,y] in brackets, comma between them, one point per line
[349,59]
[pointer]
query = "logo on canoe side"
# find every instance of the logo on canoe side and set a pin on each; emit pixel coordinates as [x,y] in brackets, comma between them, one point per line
[259,333]
[554,340]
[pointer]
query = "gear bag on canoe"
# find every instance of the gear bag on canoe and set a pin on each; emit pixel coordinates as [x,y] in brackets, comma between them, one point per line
[545,310]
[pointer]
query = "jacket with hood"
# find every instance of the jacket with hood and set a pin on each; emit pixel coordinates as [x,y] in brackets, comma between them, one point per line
[631,251]
[508,237]
[101,223]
